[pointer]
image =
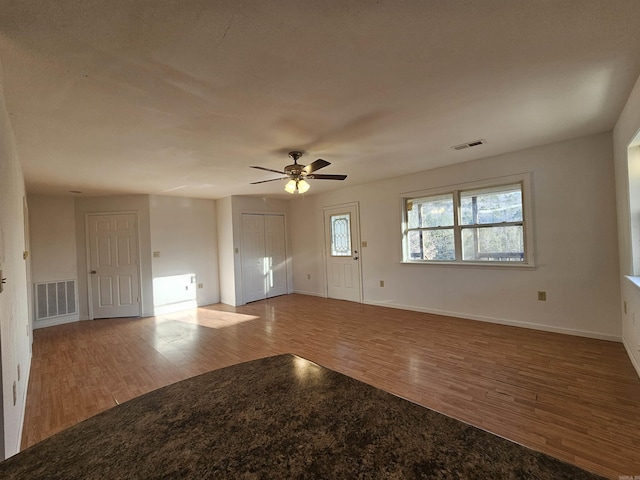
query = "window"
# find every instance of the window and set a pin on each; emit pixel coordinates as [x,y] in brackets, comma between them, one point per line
[341,235]
[472,224]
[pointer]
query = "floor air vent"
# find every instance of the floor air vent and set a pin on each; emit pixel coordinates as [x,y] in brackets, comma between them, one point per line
[55,299]
[475,143]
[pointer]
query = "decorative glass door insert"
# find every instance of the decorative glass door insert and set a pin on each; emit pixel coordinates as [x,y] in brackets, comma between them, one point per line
[341,235]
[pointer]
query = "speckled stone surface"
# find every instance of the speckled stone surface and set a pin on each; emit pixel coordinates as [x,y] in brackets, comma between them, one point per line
[280,417]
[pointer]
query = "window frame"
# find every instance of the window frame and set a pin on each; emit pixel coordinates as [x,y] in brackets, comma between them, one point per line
[524,179]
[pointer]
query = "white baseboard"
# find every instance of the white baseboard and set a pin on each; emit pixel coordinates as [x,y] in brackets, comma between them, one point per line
[174,307]
[313,294]
[632,357]
[502,321]
[51,322]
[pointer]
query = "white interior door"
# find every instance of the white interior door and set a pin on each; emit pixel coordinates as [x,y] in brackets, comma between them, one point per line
[253,261]
[276,255]
[342,252]
[264,256]
[113,265]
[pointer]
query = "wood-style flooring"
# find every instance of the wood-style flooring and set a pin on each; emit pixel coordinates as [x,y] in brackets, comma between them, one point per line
[575,398]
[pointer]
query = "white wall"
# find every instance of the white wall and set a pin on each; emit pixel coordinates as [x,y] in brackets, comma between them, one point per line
[15,344]
[113,204]
[53,238]
[226,253]
[575,234]
[624,132]
[53,244]
[183,231]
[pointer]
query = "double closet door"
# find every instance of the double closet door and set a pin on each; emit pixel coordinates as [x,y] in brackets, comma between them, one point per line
[264,257]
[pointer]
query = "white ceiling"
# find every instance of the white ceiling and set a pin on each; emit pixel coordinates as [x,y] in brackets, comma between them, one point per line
[179,97]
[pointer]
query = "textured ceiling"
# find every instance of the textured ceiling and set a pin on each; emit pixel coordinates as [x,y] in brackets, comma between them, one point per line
[179,97]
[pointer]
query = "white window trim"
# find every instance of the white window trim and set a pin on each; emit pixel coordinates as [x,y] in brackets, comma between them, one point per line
[527,210]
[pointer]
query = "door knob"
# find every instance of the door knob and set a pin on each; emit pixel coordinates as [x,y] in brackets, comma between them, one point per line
[93,272]
[355,258]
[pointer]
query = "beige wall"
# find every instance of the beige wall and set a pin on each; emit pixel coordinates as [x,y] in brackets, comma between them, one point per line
[52,246]
[183,231]
[226,253]
[53,239]
[623,134]
[15,334]
[575,235]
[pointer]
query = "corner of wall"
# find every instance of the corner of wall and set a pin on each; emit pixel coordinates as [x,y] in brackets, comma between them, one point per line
[627,129]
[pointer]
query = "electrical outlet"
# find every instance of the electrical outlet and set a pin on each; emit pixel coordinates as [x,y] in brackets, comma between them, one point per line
[542,296]
[15,392]
[382,283]
[625,307]
[18,372]
[308,276]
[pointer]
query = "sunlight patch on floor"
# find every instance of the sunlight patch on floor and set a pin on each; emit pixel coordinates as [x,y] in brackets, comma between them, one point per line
[210,318]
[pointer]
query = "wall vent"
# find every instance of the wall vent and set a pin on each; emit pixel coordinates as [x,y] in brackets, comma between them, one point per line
[55,299]
[475,143]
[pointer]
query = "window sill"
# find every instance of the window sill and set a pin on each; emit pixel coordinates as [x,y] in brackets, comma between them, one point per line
[505,265]
[634,280]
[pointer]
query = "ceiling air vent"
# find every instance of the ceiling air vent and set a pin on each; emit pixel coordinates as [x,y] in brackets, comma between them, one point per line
[475,143]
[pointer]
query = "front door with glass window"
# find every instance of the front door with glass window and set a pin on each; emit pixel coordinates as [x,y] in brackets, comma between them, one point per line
[342,246]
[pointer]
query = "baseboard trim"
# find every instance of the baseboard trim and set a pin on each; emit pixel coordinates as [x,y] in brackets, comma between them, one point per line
[55,321]
[634,360]
[502,321]
[313,294]
[174,307]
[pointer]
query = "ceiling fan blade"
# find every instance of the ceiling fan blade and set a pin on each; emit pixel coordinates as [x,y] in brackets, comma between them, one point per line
[317,165]
[267,169]
[327,177]
[265,181]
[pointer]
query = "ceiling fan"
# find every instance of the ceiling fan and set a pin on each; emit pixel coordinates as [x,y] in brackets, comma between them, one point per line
[297,174]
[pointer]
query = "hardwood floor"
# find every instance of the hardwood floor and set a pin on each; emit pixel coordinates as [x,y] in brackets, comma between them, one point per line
[575,398]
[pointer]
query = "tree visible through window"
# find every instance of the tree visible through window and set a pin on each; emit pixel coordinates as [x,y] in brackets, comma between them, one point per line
[477,225]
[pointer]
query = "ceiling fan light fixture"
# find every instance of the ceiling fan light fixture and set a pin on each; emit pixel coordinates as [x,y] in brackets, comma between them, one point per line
[291,186]
[303,186]
[297,173]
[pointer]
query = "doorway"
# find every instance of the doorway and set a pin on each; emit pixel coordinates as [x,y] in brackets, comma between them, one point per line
[114,272]
[342,252]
